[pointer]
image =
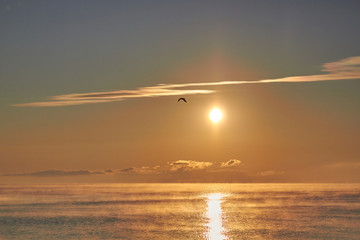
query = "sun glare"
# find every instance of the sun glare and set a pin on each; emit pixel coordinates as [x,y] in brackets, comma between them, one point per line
[215,115]
[216,230]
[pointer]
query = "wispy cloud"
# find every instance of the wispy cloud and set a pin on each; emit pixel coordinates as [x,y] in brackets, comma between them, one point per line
[60,173]
[231,163]
[269,173]
[112,96]
[343,165]
[344,69]
[141,170]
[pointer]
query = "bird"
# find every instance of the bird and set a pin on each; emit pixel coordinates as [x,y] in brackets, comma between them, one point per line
[182,99]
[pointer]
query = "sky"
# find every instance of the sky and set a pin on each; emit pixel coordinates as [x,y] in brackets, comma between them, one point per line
[89,90]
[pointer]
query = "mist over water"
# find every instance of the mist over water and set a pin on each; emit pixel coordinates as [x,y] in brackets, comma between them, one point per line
[180,211]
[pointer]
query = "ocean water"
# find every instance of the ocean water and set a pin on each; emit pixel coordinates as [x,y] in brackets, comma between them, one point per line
[180,211]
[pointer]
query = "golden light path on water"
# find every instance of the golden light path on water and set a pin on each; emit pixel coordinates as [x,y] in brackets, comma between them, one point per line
[215,215]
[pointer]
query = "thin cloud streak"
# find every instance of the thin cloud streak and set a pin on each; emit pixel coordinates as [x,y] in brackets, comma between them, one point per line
[343,165]
[60,173]
[344,69]
[269,173]
[60,103]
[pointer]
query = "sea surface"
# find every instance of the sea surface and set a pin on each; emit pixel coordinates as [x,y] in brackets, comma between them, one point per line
[180,211]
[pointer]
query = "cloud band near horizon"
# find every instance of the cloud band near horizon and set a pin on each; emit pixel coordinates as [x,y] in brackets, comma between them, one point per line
[170,167]
[345,69]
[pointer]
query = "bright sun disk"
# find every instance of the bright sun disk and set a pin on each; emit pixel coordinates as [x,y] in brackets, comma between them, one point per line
[215,115]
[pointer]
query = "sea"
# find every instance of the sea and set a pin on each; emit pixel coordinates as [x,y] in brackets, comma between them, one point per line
[180,211]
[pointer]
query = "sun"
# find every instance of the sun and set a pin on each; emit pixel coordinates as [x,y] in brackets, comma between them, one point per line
[215,115]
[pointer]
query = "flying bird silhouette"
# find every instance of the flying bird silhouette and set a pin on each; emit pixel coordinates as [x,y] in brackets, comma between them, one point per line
[182,99]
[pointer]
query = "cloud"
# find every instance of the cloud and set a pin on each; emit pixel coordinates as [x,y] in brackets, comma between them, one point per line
[112,96]
[230,163]
[344,69]
[60,103]
[188,165]
[176,171]
[170,167]
[60,173]
[141,170]
[343,165]
[131,169]
[347,67]
[269,173]
[180,165]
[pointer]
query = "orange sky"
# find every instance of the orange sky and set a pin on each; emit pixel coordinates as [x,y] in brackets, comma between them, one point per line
[81,100]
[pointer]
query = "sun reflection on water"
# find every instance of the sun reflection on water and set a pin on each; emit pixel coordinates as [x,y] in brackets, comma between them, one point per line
[215,216]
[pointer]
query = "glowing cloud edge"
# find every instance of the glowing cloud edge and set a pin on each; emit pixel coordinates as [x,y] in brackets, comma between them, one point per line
[345,69]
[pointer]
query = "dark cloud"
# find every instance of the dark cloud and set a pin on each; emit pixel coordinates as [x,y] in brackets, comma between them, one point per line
[131,169]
